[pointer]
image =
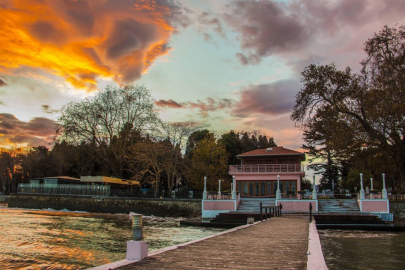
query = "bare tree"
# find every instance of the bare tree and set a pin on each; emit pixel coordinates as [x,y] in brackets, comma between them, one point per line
[107,120]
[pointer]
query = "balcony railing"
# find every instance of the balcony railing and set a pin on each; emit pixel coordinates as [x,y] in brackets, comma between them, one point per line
[265,168]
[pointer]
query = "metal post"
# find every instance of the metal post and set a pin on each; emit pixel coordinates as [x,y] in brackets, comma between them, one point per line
[278,193]
[137,227]
[234,188]
[384,191]
[310,212]
[205,188]
[314,194]
[371,194]
[219,189]
[362,194]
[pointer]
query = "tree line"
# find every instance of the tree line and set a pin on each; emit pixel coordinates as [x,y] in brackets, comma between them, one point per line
[355,122]
[118,133]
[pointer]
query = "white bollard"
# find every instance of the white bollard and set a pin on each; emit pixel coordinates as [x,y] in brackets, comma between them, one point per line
[136,249]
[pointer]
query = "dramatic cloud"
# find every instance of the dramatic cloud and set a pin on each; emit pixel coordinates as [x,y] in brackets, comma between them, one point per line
[2,83]
[266,27]
[37,131]
[271,27]
[204,108]
[83,40]
[271,99]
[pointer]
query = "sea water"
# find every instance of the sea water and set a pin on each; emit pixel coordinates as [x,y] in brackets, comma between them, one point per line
[356,249]
[49,239]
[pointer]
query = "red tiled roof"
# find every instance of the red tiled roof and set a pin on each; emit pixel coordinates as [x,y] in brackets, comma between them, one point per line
[275,151]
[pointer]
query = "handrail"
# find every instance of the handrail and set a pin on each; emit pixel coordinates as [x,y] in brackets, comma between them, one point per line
[274,211]
[265,168]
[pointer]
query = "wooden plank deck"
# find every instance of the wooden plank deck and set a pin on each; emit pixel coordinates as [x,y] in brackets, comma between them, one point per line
[279,243]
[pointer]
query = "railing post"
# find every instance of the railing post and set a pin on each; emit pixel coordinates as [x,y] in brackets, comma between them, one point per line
[261,216]
[310,212]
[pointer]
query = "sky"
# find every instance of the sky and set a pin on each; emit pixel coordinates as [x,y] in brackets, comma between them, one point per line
[225,65]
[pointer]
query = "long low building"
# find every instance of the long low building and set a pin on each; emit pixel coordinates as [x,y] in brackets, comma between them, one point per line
[86,185]
[107,180]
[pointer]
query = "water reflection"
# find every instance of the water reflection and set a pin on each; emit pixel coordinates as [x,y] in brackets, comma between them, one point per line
[31,239]
[351,249]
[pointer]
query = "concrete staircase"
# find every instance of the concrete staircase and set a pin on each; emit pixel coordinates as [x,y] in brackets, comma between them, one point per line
[252,205]
[338,206]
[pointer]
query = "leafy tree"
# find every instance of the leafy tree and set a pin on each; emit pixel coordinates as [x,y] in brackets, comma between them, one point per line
[237,143]
[372,104]
[193,139]
[10,168]
[209,158]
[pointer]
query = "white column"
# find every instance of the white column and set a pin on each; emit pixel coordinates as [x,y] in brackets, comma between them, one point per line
[219,190]
[362,194]
[233,188]
[278,193]
[314,194]
[384,191]
[205,188]
[371,194]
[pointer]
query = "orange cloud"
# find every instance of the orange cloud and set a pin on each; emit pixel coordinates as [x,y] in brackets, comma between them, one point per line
[81,40]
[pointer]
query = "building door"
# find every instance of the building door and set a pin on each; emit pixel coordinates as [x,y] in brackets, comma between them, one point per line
[269,193]
[257,189]
[263,188]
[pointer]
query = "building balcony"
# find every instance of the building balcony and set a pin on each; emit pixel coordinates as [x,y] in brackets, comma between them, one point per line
[265,168]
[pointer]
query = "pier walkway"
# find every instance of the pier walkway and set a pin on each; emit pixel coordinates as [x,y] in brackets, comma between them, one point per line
[278,243]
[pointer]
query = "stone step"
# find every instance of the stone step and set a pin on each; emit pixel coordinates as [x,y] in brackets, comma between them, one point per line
[338,206]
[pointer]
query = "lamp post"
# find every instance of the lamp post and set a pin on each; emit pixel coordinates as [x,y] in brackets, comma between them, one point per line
[362,194]
[205,188]
[219,190]
[278,193]
[314,194]
[234,188]
[384,191]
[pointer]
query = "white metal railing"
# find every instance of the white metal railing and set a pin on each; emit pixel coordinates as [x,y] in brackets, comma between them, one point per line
[265,168]
[369,196]
[223,197]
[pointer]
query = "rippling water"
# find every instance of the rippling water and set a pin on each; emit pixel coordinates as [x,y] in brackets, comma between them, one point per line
[352,249]
[47,239]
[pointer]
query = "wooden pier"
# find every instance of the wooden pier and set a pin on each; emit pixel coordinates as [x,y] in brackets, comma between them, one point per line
[279,243]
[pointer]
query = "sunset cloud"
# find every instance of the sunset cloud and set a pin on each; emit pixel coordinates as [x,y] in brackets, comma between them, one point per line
[168,104]
[84,40]
[291,28]
[271,99]
[37,131]
[204,107]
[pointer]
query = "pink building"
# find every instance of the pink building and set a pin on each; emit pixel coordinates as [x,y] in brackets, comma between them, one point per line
[256,176]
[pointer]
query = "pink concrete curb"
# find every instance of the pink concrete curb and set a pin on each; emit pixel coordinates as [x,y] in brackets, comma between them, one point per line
[316,260]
